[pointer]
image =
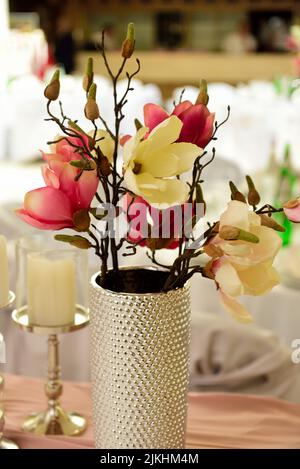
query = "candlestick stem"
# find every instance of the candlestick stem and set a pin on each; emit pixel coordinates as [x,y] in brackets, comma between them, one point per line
[53,387]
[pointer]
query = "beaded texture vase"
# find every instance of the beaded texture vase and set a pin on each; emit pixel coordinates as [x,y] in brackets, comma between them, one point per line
[139,355]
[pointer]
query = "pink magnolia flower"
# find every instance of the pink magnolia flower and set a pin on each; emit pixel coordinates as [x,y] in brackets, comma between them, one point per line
[198,122]
[292,210]
[151,227]
[64,150]
[53,207]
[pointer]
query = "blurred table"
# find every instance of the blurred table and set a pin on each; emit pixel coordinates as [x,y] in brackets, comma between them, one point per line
[187,67]
[278,310]
[215,420]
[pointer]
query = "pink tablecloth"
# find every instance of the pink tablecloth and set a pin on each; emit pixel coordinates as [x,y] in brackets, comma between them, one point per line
[215,420]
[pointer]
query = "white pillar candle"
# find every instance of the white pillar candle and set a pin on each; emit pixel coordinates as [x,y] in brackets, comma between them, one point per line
[51,290]
[4,278]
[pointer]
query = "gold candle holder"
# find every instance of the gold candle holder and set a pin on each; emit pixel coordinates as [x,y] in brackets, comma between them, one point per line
[54,420]
[5,443]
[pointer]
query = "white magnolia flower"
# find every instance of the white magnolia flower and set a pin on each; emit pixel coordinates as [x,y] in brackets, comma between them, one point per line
[243,267]
[151,165]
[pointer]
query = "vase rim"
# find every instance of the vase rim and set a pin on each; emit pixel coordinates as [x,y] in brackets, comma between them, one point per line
[94,283]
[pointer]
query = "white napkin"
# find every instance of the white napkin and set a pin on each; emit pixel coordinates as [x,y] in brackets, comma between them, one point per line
[226,356]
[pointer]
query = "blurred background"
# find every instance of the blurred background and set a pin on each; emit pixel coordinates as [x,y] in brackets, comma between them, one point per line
[249,52]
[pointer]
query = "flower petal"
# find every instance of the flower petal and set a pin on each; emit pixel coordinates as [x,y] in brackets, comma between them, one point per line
[237,310]
[47,208]
[181,107]
[173,160]
[171,192]
[293,214]
[208,130]
[48,204]
[236,248]
[54,156]
[154,115]
[236,214]
[259,279]
[164,134]
[161,193]
[266,249]
[50,177]
[194,122]
[131,182]
[65,151]
[106,144]
[228,280]
[87,187]
[124,139]
[81,191]
[41,225]
[67,184]
[132,144]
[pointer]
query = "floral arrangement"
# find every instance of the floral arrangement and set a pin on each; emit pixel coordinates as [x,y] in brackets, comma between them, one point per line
[154,179]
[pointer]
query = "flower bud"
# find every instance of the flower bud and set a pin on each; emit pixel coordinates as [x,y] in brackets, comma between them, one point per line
[291,203]
[84,164]
[81,242]
[104,166]
[91,110]
[271,223]
[52,90]
[138,124]
[129,43]
[89,75]
[235,193]
[77,241]
[199,195]
[253,195]
[232,233]
[81,220]
[92,91]
[202,96]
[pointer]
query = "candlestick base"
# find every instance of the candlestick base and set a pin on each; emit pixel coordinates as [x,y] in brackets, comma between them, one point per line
[5,443]
[55,422]
[10,300]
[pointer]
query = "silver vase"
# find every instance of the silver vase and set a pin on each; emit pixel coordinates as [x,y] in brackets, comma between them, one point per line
[139,356]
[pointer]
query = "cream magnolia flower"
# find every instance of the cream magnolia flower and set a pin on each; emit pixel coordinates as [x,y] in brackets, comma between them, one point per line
[106,144]
[244,268]
[150,165]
